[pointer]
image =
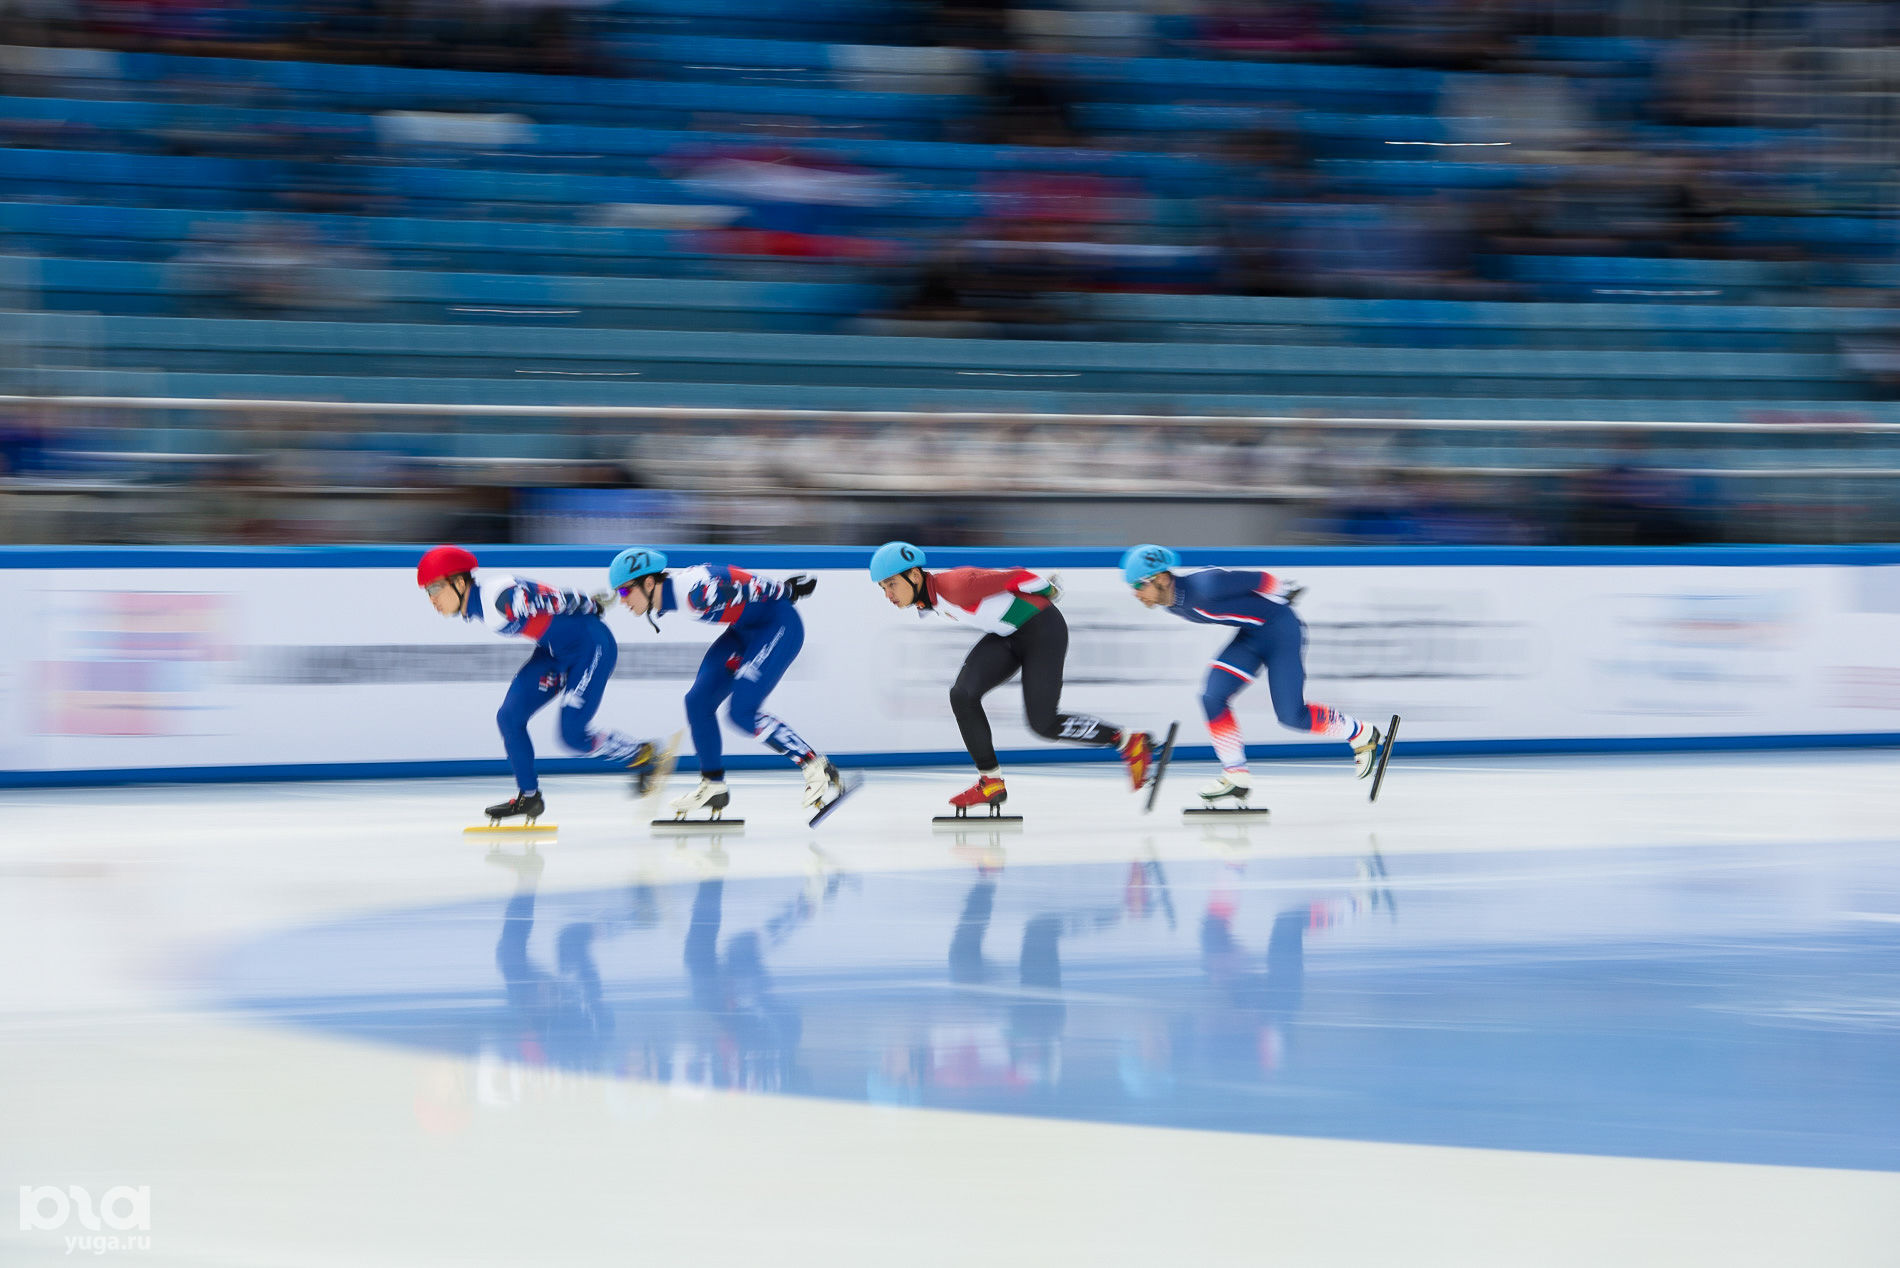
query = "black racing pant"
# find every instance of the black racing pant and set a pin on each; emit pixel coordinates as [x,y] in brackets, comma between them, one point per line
[1038,650]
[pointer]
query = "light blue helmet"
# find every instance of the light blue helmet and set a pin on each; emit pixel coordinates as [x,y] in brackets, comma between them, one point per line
[894,557]
[633,563]
[1143,562]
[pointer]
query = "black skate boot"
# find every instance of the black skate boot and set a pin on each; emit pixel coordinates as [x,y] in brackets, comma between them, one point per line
[527,805]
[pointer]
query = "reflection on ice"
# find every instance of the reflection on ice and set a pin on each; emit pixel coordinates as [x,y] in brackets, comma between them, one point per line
[1661,1003]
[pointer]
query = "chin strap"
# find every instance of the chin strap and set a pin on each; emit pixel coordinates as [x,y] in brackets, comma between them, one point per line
[653,603]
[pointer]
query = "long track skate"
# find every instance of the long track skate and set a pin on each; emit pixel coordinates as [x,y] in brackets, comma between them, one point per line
[979,794]
[1232,805]
[962,818]
[714,821]
[527,808]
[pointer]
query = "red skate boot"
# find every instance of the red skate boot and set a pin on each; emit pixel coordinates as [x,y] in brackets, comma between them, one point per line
[1138,754]
[988,790]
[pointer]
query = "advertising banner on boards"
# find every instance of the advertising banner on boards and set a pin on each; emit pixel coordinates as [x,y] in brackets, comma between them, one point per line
[317,660]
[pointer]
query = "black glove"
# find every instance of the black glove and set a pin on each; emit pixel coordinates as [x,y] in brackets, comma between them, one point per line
[797,587]
[1292,594]
[603,602]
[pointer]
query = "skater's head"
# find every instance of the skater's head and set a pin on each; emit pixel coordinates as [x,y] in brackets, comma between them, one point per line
[1156,591]
[898,569]
[637,575]
[1150,570]
[446,575]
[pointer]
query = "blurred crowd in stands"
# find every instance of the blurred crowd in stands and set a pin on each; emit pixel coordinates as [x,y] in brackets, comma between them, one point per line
[1474,150]
[1705,145]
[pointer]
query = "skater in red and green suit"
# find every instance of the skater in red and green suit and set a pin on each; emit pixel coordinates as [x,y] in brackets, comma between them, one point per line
[1023,631]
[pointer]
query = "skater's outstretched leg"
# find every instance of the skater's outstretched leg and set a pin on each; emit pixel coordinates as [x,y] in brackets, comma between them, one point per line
[1042,646]
[1282,644]
[755,679]
[586,682]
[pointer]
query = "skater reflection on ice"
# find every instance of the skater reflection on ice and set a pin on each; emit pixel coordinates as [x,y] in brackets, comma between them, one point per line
[1263,993]
[1251,992]
[560,1018]
[754,1035]
[1022,1047]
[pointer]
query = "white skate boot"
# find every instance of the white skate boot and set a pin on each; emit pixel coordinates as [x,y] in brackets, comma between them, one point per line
[1365,754]
[822,783]
[710,796]
[1230,791]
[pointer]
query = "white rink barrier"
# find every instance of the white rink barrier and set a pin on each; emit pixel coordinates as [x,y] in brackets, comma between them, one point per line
[139,664]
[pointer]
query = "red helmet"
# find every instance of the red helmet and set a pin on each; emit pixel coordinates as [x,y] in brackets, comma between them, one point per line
[443,561]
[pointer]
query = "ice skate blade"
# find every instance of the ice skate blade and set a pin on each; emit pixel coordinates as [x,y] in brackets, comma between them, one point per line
[1385,755]
[824,812]
[682,827]
[1226,812]
[972,822]
[511,829]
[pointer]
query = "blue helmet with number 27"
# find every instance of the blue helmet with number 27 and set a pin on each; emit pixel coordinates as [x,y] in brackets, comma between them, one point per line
[632,564]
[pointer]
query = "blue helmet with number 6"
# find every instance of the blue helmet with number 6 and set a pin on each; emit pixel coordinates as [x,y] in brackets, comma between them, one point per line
[894,557]
[633,563]
[1143,562]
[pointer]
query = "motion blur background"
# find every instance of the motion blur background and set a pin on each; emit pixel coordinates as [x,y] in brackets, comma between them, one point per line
[1464,271]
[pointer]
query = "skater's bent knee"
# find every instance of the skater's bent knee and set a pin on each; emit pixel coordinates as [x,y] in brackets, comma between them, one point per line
[574,734]
[744,716]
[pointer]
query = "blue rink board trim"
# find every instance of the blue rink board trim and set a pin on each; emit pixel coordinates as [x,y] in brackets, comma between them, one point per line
[1697,1006]
[1048,557]
[305,771]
